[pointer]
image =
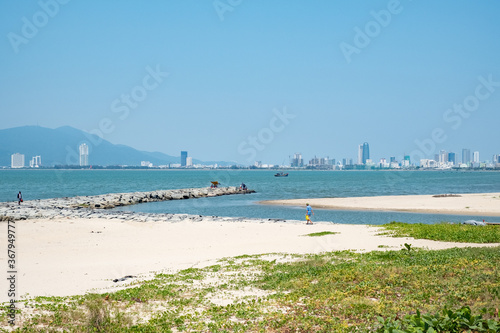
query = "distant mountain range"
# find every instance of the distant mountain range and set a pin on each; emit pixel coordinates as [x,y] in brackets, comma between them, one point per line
[60,147]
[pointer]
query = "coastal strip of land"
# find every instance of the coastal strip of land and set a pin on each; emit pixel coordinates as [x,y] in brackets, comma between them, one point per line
[72,246]
[71,256]
[478,204]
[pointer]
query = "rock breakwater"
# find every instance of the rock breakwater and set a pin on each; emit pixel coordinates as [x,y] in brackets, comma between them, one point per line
[95,206]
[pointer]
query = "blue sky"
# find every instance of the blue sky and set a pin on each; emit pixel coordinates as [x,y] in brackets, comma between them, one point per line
[242,80]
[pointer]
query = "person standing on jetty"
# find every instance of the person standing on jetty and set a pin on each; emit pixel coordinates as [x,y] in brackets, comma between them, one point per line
[309,212]
[19,198]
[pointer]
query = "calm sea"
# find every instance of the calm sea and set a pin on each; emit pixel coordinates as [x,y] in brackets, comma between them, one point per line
[41,184]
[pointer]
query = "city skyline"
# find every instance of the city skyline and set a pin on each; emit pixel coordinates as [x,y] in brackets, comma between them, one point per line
[441,159]
[258,81]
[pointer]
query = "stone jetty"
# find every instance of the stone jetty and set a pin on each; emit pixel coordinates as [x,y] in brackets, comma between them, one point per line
[97,206]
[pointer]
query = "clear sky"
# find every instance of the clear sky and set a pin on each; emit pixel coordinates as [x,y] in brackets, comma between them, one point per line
[242,80]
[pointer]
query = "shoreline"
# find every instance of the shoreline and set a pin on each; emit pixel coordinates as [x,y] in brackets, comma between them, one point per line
[64,249]
[486,204]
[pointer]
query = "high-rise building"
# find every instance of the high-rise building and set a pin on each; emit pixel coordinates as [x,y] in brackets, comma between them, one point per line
[17,160]
[383,163]
[496,158]
[314,161]
[297,161]
[406,161]
[184,155]
[443,157]
[189,161]
[36,162]
[366,152]
[452,158]
[475,157]
[363,153]
[465,156]
[84,154]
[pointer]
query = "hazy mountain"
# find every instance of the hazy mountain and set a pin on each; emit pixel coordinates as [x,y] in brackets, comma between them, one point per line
[60,147]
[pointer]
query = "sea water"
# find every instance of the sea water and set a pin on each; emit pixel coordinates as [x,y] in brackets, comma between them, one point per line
[41,184]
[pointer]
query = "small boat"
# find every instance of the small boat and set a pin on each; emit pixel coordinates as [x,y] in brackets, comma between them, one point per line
[281,174]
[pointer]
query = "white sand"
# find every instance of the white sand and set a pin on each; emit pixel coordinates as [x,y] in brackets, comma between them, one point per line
[482,204]
[74,256]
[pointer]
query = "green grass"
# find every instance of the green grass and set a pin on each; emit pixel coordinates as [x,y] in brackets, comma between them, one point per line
[445,232]
[345,290]
[331,292]
[322,233]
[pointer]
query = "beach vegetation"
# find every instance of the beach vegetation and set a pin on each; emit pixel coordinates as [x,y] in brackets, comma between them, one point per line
[408,290]
[446,232]
[322,233]
[99,318]
[461,320]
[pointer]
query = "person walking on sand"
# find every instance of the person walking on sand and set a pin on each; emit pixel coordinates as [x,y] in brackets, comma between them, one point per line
[19,198]
[309,212]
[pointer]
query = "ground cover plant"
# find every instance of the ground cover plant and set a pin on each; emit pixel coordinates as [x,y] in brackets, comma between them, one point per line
[446,232]
[322,233]
[384,291]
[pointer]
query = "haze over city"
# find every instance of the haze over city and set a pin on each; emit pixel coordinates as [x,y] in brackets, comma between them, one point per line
[257,81]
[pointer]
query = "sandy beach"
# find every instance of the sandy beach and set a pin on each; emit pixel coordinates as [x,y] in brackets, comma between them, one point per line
[482,204]
[69,256]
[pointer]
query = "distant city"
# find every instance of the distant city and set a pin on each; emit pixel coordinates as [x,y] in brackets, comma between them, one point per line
[441,161]
[186,162]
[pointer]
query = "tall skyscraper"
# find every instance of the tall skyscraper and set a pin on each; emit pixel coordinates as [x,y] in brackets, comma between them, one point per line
[17,160]
[443,156]
[406,161]
[452,158]
[297,161]
[465,156]
[363,153]
[36,162]
[84,154]
[366,152]
[184,155]
[475,157]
